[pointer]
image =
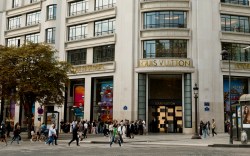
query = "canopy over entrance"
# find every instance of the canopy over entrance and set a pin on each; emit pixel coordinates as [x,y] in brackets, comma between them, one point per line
[244,97]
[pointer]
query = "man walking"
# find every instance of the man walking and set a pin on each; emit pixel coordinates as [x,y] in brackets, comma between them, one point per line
[75,135]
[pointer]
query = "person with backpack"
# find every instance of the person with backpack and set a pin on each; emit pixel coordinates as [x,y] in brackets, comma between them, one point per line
[204,129]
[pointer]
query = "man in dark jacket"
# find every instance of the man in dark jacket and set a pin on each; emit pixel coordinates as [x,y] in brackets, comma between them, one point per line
[2,133]
[75,135]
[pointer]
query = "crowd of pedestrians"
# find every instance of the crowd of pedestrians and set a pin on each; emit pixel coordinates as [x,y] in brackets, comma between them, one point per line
[116,131]
[206,127]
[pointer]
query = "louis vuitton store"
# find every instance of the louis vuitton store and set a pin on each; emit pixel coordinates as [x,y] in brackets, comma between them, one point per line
[165,96]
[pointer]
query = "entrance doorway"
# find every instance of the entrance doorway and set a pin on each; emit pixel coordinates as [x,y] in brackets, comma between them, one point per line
[165,103]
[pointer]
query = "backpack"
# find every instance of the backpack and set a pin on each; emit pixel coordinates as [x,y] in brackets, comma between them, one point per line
[204,126]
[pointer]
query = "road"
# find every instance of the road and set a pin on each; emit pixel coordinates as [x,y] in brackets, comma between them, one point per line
[128,149]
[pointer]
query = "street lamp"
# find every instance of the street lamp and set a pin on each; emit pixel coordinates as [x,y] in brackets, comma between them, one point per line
[196,135]
[226,56]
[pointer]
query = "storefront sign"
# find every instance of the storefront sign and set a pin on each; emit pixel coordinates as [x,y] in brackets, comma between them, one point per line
[242,65]
[165,63]
[88,68]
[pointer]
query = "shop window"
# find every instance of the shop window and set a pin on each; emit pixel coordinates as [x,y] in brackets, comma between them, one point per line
[102,105]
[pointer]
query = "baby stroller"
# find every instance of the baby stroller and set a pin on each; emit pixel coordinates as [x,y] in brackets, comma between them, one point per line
[44,135]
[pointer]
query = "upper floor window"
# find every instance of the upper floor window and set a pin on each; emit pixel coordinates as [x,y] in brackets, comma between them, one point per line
[238,52]
[77,57]
[34,1]
[240,2]
[14,22]
[16,3]
[13,42]
[35,38]
[51,12]
[165,48]
[102,4]
[104,27]
[50,35]
[235,23]
[104,53]
[165,19]
[78,32]
[33,18]
[78,7]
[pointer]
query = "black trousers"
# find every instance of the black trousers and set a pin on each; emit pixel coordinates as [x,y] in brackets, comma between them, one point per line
[73,139]
[213,132]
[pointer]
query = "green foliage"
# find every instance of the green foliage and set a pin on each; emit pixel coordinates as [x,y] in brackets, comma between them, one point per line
[34,72]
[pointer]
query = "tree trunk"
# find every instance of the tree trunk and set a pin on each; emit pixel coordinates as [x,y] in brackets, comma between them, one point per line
[2,109]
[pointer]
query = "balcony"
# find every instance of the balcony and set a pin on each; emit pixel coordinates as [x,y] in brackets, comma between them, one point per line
[24,9]
[23,31]
[236,2]
[236,37]
[170,33]
[232,9]
[91,42]
[152,5]
[92,16]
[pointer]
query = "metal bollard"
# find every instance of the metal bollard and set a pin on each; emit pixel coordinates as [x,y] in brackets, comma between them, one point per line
[243,137]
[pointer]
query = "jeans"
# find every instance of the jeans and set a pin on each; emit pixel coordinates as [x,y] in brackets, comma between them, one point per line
[15,138]
[204,132]
[50,140]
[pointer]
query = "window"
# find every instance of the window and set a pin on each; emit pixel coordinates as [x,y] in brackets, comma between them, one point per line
[235,23]
[240,2]
[13,42]
[16,3]
[237,51]
[51,12]
[104,27]
[165,19]
[50,35]
[165,48]
[77,57]
[104,53]
[35,38]
[33,18]
[78,32]
[78,7]
[14,22]
[33,1]
[102,4]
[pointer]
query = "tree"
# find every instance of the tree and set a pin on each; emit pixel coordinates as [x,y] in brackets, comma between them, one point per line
[34,74]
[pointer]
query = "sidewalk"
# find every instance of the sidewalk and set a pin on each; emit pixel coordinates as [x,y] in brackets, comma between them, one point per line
[220,140]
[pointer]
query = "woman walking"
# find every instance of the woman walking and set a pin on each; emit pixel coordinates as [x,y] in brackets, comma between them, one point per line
[213,127]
